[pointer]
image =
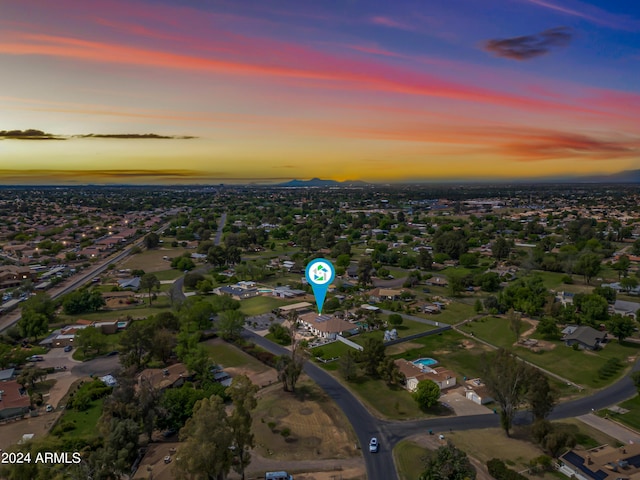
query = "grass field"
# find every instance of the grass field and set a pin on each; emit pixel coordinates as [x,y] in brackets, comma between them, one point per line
[229,356]
[151,260]
[410,459]
[138,311]
[393,402]
[85,422]
[170,274]
[259,305]
[578,366]
[631,418]
[332,350]
[454,313]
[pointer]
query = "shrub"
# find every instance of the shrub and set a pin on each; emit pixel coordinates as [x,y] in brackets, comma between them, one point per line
[498,470]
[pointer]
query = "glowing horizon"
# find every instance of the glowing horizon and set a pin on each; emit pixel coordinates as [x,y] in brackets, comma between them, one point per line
[171,92]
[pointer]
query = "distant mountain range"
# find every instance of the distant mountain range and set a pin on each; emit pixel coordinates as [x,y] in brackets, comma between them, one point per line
[627,176]
[318,182]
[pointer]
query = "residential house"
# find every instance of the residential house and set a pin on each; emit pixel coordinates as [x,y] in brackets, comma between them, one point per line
[239,291]
[300,307]
[602,463]
[130,283]
[162,378]
[7,374]
[14,400]
[378,295]
[628,309]
[286,291]
[476,391]
[414,374]
[584,336]
[12,276]
[326,326]
[436,282]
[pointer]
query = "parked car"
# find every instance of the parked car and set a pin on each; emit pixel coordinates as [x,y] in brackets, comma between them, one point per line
[373,445]
[111,354]
[68,348]
[36,358]
[167,459]
[49,408]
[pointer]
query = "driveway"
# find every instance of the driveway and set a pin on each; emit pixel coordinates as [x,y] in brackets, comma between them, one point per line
[57,357]
[611,428]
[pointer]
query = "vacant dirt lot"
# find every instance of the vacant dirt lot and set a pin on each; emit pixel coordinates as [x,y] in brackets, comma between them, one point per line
[151,260]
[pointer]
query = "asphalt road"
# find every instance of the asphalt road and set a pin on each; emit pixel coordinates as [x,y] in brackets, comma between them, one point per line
[11,318]
[381,466]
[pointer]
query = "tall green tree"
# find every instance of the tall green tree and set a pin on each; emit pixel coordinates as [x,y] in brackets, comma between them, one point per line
[501,248]
[152,240]
[371,355]
[207,437]
[427,393]
[506,377]
[449,463]
[621,327]
[90,340]
[230,324]
[540,396]
[515,322]
[588,265]
[149,282]
[347,365]
[243,396]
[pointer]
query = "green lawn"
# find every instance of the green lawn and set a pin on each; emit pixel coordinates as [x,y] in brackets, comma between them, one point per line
[332,350]
[631,418]
[410,459]
[454,313]
[170,274]
[495,330]
[228,355]
[578,366]
[259,305]
[137,311]
[113,343]
[394,402]
[85,422]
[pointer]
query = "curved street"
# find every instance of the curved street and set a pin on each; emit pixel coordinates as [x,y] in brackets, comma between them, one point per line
[381,466]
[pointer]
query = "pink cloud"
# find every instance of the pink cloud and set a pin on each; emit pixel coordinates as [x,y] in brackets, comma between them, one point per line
[391,23]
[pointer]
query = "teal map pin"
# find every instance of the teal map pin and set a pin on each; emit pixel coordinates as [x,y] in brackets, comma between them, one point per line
[320,273]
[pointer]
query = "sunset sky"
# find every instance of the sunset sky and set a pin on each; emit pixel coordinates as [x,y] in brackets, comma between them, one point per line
[180,91]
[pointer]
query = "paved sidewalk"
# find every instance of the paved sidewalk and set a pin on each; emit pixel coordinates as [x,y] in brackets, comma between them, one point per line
[611,428]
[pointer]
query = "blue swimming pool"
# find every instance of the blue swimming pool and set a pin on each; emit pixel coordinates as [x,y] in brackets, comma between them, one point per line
[427,362]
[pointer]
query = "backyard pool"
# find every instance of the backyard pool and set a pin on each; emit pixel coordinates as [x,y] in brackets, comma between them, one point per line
[425,362]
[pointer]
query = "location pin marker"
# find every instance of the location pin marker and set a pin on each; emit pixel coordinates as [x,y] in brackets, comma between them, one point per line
[320,273]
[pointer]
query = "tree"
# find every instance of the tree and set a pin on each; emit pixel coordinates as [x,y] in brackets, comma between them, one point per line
[427,393]
[37,312]
[192,279]
[30,375]
[371,355]
[149,282]
[290,367]
[162,344]
[621,327]
[500,248]
[540,395]
[629,283]
[425,260]
[90,339]
[207,437]
[452,242]
[622,265]
[135,343]
[548,328]
[390,372]
[395,319]
[152,240]
[82,301]
[449,463]
[243,396]
[515,322]
[230,324]
[588,265]
[457,282]
[506,378]
[347,365]
[593,308]
[364,271]
[33,324]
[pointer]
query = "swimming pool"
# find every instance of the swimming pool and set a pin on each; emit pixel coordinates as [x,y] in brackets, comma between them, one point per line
[425,362]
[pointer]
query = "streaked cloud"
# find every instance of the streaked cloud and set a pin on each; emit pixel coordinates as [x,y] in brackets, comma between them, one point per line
[591,14]
[530,46]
